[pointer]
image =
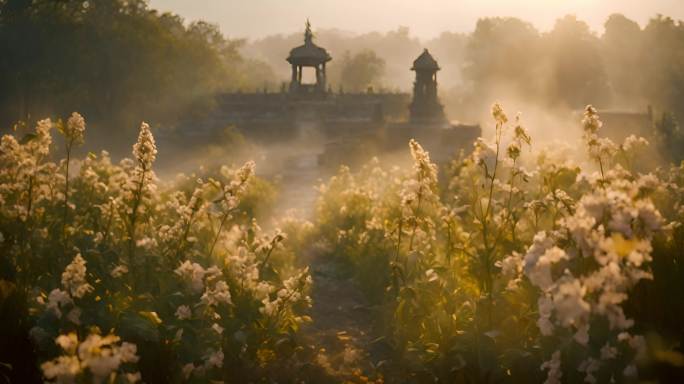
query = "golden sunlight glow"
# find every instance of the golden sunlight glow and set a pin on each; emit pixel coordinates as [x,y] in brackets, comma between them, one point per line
[426,18]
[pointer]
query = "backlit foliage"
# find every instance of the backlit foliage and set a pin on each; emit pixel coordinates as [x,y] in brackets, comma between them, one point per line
[518,266]
[515,264]
[121,271]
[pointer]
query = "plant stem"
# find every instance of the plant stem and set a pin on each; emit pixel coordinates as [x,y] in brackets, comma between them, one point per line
[218,233]
[134,214]
[66,194]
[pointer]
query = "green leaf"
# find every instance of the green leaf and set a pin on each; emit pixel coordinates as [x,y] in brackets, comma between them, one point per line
[140,327]
[28,138]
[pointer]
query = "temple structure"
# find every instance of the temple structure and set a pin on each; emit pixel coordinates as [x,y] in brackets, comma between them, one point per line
[308,55]
[354,125]
[425,106]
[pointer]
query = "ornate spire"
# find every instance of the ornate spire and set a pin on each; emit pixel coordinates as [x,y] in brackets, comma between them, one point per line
[425,62]
[308,35]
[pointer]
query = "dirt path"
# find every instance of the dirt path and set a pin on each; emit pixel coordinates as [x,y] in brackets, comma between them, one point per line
[341,330]
[342,323]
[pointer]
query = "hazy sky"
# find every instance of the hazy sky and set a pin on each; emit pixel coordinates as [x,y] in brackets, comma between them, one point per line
[426,18]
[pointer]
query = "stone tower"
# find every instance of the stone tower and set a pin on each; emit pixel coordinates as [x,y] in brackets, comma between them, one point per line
[308,55]
[425,106]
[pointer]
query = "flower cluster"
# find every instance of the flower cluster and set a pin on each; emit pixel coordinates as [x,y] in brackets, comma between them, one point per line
[460,272]
[516,259]
[587,267]
[145,149]
[177,265]
[98,356]
[75,129]
[74,278]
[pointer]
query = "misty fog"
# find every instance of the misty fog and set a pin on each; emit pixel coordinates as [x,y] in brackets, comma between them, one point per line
[346,192]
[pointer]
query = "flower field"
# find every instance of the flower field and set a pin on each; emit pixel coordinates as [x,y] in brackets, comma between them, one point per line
[513,263]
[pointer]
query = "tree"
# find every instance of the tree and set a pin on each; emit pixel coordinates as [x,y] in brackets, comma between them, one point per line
[577,75]
[117,61]
[663,65]
[502,58]
[622,48]
[360,71]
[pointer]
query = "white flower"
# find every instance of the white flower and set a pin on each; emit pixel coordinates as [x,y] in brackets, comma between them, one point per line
[63,369]
[43,138]
[269,306]
[214,359]
[589,366]
[431,275]
[133,377]
[193,273]
[183,312]
[217,328]
[511,268]
[484,154]
[263,289]
[422,166]
[220,294]
[147,243]
[145,149]
[75,128]
[633,142]
[540,272]
[554,367]
[569,303]
[540,244]
[498,114]
[128,352]
[545,326]
[102,355]
[119,271]
[97,355]
[591,122]
[544,323]
[582,334]
[608,243]
[608,352]
[74,316]
[68,342]
[58,299]
[73,278]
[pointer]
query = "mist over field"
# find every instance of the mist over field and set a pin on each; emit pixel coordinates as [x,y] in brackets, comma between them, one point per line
[349,191]
[428,20]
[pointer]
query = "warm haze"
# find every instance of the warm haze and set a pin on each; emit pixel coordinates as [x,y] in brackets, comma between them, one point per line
[426,18]
[341,191]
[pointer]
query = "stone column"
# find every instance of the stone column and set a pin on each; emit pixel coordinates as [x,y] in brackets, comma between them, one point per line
[293,82]
[323,78]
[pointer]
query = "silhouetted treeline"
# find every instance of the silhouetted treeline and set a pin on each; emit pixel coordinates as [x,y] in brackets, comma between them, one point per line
[119,62]
[116,61]
[627,67]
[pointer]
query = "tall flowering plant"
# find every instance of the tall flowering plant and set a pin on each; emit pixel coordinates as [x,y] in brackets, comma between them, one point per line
[524,266]
[118,270]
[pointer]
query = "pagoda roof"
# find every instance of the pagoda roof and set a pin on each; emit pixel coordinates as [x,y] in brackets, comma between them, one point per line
[308,53]
[425,62]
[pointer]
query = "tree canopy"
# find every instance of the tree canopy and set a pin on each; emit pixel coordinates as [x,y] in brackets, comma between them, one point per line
[117,61]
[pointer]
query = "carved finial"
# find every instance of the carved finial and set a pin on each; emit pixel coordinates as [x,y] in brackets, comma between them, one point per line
[308,35]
